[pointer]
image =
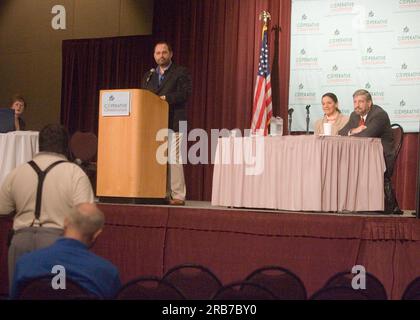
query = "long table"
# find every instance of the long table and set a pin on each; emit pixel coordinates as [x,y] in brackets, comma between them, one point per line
[16,147]
[299,173]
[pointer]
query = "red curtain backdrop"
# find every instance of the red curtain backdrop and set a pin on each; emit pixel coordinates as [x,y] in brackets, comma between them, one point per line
[406,168]
[90,65]
[218,40]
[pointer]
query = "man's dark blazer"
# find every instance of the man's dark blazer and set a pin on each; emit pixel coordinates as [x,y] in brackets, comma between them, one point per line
[377,125]
[176,87]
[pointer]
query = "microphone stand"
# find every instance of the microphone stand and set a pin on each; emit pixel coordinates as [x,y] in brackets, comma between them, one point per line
[290,112]
[307,118]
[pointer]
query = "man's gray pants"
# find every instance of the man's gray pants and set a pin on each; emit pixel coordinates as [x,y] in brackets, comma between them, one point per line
[29,239]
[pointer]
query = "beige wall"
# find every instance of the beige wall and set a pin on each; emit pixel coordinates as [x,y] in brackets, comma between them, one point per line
[30,49]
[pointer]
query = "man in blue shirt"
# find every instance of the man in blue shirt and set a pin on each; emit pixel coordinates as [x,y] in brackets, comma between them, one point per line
[95,274]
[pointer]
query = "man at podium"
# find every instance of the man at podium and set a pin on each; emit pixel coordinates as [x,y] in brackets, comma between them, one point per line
[171,83]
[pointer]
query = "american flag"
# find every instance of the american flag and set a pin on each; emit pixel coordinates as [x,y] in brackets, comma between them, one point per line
[262,107]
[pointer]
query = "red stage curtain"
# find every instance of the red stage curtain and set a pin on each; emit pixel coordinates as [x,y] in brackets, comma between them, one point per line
[406,169]
[90,65]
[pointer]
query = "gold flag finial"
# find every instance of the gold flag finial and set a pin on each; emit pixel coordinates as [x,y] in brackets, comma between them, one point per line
[265,16]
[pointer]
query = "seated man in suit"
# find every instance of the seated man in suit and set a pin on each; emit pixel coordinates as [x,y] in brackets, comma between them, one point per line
[369,120]
[95,274]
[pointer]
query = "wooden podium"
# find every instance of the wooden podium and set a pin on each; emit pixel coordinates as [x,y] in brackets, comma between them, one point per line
[127,168]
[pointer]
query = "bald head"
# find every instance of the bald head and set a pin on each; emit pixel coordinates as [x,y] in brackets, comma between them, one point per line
[84,223]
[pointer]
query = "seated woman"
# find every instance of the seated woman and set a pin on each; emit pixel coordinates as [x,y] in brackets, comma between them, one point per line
[18,104]
[332,115]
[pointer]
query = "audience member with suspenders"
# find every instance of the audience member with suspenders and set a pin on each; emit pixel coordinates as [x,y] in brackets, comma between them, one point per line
[41,193]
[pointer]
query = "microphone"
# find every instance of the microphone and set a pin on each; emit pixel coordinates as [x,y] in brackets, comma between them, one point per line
[150,75]
[307,118]
[290,112]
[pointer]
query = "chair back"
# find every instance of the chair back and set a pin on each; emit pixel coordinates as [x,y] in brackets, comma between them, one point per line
[284,284]
[398,135]
[339,293]
[149,288]
[375,290]
[41,288]
[243,291]
[7,120]
[412,292]
[196,282]
[84,146]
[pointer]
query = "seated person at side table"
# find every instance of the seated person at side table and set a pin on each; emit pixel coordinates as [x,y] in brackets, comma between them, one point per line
[18,104]
[332,115]
[95,274]
[370,120]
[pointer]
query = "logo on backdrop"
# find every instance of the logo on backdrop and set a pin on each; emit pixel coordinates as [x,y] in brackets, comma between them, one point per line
[304,60]
[378,96]
[407,76]
[342,7]
[339,41]
[408,37]
[409,4]
[407,111]
[304,95]
[375,23]
[370,58]
[336,76]
[306,25]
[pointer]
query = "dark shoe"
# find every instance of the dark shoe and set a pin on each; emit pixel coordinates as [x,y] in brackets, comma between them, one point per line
[397,210]
[176,202]
[391,203]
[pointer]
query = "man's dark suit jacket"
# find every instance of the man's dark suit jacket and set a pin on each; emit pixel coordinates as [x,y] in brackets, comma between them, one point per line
[176,87]
[379,126]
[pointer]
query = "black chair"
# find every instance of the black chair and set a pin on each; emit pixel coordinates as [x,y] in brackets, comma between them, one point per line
[339,293]
[149,288]
[244,291]
[398,134]
[391,203]
[284,284]
[412,292]
[83,148]
[41,288]
[375,290]
[194,281]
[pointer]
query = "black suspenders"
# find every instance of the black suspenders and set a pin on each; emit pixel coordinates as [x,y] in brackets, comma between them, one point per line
[41,177]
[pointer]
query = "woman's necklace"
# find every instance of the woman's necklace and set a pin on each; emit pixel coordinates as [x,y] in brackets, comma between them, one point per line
[333,117]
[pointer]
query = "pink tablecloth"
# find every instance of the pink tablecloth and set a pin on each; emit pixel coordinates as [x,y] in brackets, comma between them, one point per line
[299,173]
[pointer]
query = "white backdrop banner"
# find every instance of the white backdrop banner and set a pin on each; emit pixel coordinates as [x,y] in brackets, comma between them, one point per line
[342,46]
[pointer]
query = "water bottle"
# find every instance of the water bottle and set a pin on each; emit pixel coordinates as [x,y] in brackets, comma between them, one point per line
[276,126]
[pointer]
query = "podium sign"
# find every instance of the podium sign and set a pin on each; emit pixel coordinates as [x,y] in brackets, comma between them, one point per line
[115,103]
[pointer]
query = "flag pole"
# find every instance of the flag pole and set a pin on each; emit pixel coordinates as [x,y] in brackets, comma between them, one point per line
[265,16]
[262,103]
